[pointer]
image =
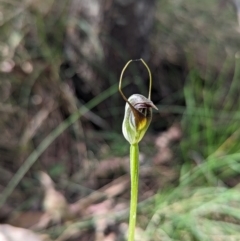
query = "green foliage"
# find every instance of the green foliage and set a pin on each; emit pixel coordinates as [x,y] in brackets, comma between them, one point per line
[211,118]
[204,213]
[203,206]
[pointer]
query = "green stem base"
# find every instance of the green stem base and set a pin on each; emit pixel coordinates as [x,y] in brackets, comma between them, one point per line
[134,169]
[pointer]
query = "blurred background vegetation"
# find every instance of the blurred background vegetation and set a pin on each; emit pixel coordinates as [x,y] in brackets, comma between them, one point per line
[61,114]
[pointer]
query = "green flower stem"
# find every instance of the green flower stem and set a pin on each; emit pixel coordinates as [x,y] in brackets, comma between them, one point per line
[134,167]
